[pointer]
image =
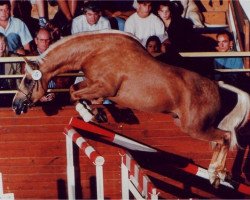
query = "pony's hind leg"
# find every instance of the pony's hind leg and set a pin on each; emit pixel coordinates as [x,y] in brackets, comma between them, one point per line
[216,169]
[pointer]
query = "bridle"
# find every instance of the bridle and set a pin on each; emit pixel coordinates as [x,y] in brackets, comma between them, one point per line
[30,92]
[35,78]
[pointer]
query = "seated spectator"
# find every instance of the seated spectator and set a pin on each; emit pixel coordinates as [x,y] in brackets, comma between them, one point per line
[68,10]
[22,11]
[7,69]
[43,40]
[183,38]
[226,44]
[91,20]
[180,31]
[153,45]
[18,9]
[192,12]
[50,102]
[117,12]
[17,33]
[143,23]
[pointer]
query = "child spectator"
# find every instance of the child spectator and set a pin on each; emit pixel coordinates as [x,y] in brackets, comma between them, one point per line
[7,69]
[153,45]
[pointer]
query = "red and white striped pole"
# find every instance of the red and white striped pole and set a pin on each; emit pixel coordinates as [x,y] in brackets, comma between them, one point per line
[92,154]
[203,173]
[109,135]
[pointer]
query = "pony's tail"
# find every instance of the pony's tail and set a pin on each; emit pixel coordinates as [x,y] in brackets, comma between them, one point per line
[238,116]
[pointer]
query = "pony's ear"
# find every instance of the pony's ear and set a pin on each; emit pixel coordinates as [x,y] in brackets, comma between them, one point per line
[35,74]
[28,68]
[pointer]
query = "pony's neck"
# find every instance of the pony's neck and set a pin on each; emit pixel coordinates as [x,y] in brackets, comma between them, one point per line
[57,59]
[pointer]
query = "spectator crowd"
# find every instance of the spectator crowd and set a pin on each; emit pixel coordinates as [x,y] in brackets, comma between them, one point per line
[164,28]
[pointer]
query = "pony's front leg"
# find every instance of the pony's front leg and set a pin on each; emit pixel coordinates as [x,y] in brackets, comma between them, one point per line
[84,111]
[87,90]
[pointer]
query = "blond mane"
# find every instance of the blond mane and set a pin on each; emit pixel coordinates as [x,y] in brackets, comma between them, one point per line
[87,33]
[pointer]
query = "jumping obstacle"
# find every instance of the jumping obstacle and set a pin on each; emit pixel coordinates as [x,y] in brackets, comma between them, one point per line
[9,196]
[95,158]
[133,177]
[130,144]
[135,180]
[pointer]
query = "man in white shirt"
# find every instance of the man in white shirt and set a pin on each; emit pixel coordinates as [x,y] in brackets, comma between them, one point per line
[144,24]
[91,20]
[17,33]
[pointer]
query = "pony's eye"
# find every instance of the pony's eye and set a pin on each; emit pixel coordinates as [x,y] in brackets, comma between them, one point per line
[27,82]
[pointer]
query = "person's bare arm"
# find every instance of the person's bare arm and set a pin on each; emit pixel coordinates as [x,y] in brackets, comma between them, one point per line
[27,47]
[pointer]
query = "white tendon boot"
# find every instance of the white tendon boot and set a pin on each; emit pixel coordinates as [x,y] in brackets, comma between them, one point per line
[84,111]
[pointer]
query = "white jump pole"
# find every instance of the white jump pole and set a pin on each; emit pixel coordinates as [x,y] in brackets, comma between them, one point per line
[92,154]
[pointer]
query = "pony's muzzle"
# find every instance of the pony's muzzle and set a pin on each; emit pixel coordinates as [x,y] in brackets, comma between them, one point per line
[20,106]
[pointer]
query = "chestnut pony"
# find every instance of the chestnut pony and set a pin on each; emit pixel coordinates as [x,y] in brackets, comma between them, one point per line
[116,66]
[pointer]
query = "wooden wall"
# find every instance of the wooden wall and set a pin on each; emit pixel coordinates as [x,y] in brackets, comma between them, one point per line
[33,157]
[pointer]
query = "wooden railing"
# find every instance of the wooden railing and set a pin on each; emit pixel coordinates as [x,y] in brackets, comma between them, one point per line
[245,54]
[239,25]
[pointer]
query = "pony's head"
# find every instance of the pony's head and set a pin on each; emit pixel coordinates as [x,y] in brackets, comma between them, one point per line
[30,89]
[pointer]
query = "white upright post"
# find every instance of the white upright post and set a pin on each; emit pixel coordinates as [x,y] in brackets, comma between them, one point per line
[1,184]
[6,196]
[125,180]
[70,169]
[99,182]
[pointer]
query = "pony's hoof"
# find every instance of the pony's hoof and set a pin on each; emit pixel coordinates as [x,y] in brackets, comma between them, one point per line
[228,177]
[84,112]
[101,116]
[216,183]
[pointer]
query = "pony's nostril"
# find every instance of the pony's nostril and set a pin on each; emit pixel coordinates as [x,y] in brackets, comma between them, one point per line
[14,106]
